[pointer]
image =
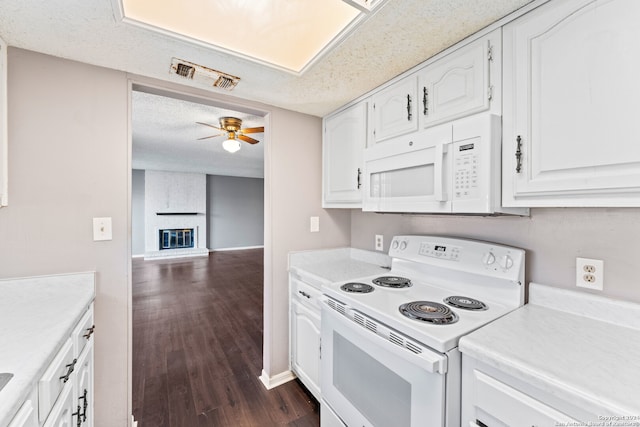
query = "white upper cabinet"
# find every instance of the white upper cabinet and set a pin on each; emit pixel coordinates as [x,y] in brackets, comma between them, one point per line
[464,82]
[344,140]
[571,105]
[4,159]
[394,110]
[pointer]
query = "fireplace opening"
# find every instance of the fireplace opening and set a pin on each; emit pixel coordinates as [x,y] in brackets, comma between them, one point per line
[176,238]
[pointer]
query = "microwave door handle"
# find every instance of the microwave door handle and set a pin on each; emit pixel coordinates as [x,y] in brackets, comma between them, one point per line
[438,191]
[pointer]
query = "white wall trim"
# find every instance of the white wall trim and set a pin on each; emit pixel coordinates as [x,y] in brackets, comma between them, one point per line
[276,380]
[239,248]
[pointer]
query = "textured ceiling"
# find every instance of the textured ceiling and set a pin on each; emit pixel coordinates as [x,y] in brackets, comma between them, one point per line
[397,36]
[165,137]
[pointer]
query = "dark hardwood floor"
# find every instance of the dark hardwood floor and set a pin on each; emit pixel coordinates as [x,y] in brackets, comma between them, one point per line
[197,346]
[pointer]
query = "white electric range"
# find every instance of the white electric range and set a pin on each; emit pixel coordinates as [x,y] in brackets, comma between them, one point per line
[389,343]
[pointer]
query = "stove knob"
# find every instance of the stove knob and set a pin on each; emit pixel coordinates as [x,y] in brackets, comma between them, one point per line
[394,244]
[403,246]
[488,258]
[506,262]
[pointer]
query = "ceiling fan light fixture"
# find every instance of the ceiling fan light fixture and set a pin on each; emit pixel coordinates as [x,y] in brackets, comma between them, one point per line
[231,145]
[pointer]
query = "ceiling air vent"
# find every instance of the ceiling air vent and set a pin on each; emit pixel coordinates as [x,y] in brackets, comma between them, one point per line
[203,75]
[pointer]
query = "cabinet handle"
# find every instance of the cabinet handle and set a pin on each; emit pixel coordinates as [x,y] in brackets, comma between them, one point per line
[89,332]
[304,294]
[85,405]
[408,107]
[70,367]
[518,154]
[425,101]
[359,173]
[77,414]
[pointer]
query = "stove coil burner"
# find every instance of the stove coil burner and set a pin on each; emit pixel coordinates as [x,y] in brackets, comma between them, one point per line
[357,288]
[465,303]
[429,311]
[392,282]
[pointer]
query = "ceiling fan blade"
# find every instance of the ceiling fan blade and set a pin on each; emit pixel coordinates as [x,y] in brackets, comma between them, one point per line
[248,139]
[212,136]
[253,130]
[211,126]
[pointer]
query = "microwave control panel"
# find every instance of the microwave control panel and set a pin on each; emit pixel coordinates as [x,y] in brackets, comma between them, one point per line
[466,182]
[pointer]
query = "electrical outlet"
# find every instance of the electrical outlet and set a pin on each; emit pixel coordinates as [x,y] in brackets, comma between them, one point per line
[590,273]
[379,242]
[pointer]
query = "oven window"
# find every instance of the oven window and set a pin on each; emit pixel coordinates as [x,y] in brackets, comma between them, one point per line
[370,387]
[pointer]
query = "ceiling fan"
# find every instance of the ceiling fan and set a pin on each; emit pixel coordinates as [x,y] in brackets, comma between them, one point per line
[232,128]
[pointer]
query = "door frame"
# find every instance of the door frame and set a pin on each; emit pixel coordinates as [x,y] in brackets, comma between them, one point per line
[193,94]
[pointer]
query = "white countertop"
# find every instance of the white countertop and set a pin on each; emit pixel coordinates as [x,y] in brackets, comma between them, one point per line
[591,363]
[318,267]
[36,315]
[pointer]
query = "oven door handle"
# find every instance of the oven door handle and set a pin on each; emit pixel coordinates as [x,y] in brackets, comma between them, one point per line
[415,353]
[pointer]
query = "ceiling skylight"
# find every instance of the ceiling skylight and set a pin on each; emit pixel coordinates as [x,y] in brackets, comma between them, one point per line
[288,34]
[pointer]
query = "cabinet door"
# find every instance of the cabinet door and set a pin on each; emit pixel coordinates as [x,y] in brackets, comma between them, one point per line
[83,391]
[461,83]
[395,110]
[345,137]
[26,416]
[64,412]
[305,347]
[571,102]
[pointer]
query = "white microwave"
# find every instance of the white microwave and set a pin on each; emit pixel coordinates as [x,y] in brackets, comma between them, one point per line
[451,168]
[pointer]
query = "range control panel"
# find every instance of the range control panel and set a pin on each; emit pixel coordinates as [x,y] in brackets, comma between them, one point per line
[460,254]
[441,251]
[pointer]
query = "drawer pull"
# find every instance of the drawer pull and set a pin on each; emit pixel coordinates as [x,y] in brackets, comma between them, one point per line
[77,414]
[304,294]
[89,332]
[70,367]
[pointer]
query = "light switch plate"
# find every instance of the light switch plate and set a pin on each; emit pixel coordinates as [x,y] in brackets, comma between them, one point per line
[314,224]
[102,229]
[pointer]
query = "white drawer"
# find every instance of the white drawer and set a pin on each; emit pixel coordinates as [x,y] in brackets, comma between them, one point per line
[83,332]
[513,407]
[54,379]
[305,293]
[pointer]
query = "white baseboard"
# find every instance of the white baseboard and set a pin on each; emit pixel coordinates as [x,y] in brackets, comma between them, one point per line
[137,256]
[134,423]
[236,249]
[276,380]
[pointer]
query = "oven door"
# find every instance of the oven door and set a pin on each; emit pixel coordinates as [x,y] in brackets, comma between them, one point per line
[370,381]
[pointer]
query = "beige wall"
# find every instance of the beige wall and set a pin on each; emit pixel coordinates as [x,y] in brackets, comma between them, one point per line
[552,237]
[68,164]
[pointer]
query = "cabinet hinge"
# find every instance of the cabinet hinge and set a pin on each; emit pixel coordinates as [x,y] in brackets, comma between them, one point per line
[490,93]
[489,51]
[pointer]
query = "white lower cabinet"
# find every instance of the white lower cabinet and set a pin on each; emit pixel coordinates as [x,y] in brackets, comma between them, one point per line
[64,412]
[305,334]
[63,397]
[492,398]
[27,415]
